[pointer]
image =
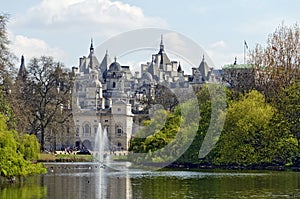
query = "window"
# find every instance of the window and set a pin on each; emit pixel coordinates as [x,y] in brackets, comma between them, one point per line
[114,85]
[87,130]
[119,132]
[77,131]
[119,109]
[105,120]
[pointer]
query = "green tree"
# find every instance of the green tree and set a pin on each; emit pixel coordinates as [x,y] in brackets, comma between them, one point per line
[212,103]
[12,162]
[253,134]
[168,134]
[289,106]
[156,133]
[204,101]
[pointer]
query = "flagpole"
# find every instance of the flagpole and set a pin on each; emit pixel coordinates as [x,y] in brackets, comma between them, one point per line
[245,47]
[244,52]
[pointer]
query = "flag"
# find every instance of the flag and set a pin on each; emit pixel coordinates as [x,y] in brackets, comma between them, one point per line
[246,45]
[274,48]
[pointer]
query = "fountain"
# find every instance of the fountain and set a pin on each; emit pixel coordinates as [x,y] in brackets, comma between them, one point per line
[101,147]
[101,160]
[104,169]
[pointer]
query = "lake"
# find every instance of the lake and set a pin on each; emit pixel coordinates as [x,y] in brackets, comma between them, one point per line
[86,180]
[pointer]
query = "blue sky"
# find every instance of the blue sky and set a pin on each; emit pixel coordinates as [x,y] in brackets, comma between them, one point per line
[63,28]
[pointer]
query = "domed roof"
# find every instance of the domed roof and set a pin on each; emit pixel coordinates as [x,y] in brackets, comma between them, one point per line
[147,76]
[115,66]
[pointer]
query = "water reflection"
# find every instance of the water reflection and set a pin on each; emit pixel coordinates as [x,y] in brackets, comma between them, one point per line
[27,189]
[87,181]
[78,181]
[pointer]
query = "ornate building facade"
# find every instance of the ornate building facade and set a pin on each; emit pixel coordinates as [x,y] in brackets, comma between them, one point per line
[108,93]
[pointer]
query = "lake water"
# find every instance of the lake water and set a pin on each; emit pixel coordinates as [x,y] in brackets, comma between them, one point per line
[84,181]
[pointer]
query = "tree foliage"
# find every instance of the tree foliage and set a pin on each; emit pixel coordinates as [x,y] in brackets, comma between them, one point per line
[156,133]
[252,135]
[168,134]
[16,152]
[288,103]
[46,94]
[6,57]
[278,64]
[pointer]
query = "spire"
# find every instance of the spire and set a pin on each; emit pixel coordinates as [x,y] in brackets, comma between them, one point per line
[92,47]
[22,60]
[161,43]
[179,69]
[22,74]
[203,58]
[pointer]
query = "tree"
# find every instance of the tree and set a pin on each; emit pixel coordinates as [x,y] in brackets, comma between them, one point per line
[278,64]
[289,106]
[12,162]
[211,100]
[6,57]
[156,133]
[6,71]
[254,134]
[167,135]
[46,95]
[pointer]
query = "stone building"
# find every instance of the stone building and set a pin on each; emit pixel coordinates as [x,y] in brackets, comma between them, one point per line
[101,97]
[107,92]
[240,77]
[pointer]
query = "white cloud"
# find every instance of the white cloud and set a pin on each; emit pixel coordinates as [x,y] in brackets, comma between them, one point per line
[31,47]
[218,44]
[53,27]
[222,54]
[103,16]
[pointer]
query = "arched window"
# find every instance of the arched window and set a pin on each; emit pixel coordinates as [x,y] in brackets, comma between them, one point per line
[87,130]
[77,131]
[95,129]
[114,85]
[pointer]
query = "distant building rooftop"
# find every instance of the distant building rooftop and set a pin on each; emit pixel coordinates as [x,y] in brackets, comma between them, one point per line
[237,66]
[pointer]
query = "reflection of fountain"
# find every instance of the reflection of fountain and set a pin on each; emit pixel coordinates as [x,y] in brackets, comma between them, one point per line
[100,154]
[106,185]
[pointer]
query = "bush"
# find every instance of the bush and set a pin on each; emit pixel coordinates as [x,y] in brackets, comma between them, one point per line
[15,153]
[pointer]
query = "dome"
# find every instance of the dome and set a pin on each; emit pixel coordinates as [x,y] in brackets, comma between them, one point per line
[115,66]
[147,76]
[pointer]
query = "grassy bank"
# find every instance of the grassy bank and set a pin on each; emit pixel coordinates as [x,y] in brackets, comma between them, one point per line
[65,158]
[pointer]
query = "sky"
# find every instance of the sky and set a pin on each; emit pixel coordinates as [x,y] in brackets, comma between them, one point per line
[64,28]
